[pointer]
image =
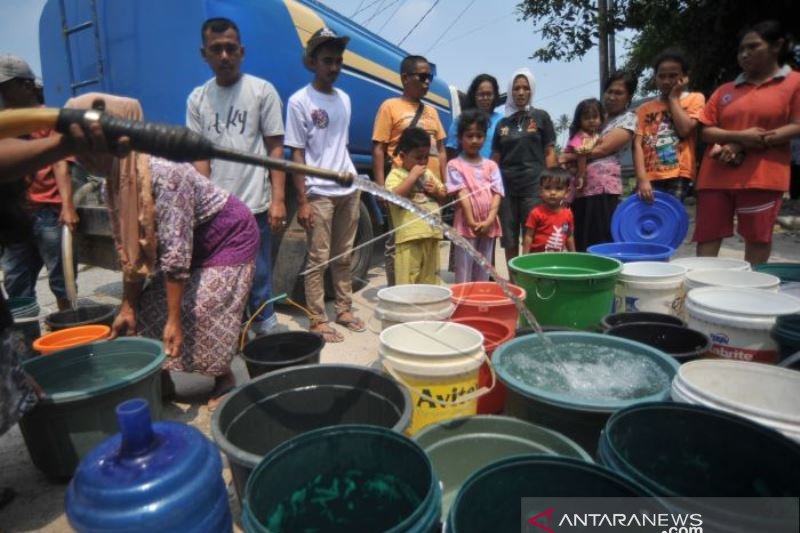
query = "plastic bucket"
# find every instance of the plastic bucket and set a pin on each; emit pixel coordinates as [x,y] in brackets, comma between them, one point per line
[735,279]
[681,343]
[766,395]
[486,299]
[438,363]
[281,350]
[788,272]
[574,394]
[70,337]
[410,303]
[83,387]
[344,479]
[711,263]
[567,289]
[739,320]
[82,316]
[271,409]
[495,333]
[490,500]
[462,446]
[786,333]
[651,287]
[617,319]
[629,252]
[680,450]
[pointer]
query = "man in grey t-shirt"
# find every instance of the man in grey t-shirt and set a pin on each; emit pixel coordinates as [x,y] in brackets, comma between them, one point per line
[240,111]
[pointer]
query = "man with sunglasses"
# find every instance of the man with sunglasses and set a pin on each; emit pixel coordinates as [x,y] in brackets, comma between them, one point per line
[241,111]
[37,221]
[397,114]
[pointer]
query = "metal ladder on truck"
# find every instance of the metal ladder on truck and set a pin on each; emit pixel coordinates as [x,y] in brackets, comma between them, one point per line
[69,32]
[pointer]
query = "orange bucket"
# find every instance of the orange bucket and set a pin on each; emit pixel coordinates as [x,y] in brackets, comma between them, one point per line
[485,299]
[495,332]
[69,337]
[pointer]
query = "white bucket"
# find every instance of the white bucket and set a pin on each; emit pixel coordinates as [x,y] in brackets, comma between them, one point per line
[649,286]
[741,279]
[411,303]
[711,263]
[438,363]
[765,394]
[739,320]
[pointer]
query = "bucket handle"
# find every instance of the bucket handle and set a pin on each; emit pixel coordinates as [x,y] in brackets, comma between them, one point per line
[553,293]
[474,395]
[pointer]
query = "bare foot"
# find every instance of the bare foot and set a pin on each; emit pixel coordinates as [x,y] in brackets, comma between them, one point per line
[222,385]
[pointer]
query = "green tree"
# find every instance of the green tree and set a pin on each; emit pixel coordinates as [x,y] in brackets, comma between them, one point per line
[706,29]
[562,126]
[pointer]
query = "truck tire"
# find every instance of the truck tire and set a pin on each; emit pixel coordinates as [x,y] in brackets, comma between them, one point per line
[289,258]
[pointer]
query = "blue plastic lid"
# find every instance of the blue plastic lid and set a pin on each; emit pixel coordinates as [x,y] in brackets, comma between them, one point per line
[163,476]
[664,221]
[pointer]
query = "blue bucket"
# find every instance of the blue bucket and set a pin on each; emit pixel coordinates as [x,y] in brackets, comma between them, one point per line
[628,252]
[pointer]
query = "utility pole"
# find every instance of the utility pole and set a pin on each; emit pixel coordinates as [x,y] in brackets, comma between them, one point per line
[602,31]
[612,38]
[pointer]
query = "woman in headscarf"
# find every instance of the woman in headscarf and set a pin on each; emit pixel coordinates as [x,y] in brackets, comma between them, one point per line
[523,145]
[187,250]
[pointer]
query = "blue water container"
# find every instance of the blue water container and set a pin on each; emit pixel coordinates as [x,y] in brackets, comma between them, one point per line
[629,252]
[163,476]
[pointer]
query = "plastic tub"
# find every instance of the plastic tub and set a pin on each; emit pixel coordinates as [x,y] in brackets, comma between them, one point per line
[554,282]
[681,343]
[344,479]
[495,333]
[485,299]
[490,500]
[576,396]
[411,303]
[462,446]
[70,337]
[629,252]
[617,319]
[271,409]
[83,387]
[82,316]
[438,363]
[739,320]
[281,350]
[711,263]
[765,394]
[650,287]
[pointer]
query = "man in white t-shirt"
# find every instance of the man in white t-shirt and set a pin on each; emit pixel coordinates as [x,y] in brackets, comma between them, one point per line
[237,110]
[317,124]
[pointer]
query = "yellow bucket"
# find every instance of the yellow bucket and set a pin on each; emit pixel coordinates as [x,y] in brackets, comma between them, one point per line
[438,363]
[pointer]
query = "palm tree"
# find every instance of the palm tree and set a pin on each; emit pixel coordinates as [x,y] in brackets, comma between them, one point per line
[562,127]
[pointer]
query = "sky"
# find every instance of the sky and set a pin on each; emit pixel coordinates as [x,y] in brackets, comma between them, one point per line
[462,37]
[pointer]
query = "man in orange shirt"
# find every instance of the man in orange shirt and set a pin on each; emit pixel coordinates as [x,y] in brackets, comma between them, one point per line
[664,145]
[49,201]
[397,114]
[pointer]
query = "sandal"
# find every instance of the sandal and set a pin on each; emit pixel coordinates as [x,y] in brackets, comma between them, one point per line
[355,324]
[328,334]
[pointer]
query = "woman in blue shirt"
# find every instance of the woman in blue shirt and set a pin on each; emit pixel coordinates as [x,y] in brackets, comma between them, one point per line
[483,94]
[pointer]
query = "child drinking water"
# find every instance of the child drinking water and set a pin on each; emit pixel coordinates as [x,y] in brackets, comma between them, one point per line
[550,226]
[584,135]
[477,184]
[417,257]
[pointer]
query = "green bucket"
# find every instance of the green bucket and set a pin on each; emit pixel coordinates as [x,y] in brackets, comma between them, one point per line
[567,289]
[788,272]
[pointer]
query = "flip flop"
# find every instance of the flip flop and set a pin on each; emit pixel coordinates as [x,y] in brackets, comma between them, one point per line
[355,324]
[328,334]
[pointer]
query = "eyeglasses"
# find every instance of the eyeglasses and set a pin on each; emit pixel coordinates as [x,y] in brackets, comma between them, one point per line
[422,76]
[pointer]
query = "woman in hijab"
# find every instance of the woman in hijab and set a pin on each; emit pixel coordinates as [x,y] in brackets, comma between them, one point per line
[187,250]
[523,145]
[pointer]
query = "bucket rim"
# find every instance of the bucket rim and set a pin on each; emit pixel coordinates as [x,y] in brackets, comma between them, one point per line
[110,309]
[502,299]
[696,263]
[307,438]
[661,318]
[392,294]
[728,404]
[667,363]
[617,267]
[159,356]
[702,298]
[633,270]
[676,329]
[698,277]
[54,341]
[248,459]
[466,351]
[299,333]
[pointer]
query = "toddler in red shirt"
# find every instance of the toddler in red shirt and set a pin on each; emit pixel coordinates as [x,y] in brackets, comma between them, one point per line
[550,226]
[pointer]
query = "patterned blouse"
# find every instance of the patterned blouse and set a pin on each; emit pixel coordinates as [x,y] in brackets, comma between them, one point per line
[604,175]
[184,199]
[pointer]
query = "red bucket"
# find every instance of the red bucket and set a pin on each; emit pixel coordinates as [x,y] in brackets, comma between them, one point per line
[495,332]
[485,299]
